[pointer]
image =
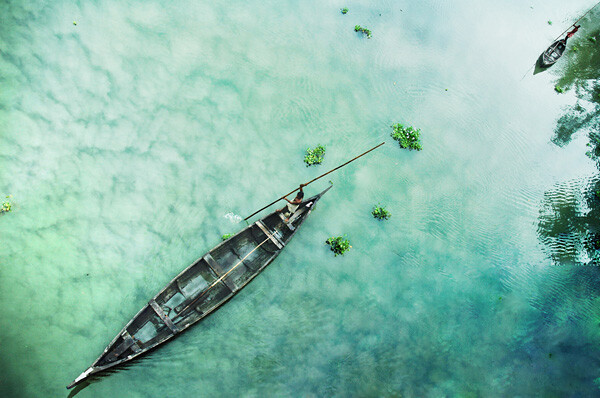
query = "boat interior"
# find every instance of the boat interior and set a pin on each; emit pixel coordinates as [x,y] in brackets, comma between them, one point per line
[205,284]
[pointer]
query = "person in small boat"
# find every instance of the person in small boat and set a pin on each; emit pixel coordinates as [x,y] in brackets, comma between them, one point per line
[571,33]
[292,205]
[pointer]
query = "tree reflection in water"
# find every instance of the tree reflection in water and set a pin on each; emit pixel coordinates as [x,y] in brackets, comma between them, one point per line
[569,222]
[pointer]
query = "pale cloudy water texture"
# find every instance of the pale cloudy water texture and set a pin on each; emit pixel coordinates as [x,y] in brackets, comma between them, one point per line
[132,140]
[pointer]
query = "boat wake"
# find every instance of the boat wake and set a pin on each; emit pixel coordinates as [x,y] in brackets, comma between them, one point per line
[234,218]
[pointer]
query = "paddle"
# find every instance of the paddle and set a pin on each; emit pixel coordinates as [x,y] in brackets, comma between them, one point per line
[314,179]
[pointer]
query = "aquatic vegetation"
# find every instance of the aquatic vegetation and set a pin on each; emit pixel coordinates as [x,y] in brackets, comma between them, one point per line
[6,206]
[592,39]
[559,89]
[380,213]
[314,156]
[574,48]
[365,31]
[338,245]
[74,22]
[344,10]
[549,22]
[407,137]
[226,236]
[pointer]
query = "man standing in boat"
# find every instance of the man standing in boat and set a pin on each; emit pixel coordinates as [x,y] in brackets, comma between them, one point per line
[571,33]
[292,205]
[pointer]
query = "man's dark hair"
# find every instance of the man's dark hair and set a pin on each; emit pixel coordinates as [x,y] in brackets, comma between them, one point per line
[300,195]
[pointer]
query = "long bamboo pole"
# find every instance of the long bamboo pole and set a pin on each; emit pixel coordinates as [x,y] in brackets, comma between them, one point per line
[313,180]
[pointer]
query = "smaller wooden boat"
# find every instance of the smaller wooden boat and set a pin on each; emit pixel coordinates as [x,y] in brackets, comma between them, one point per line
[202,287]
[553,53]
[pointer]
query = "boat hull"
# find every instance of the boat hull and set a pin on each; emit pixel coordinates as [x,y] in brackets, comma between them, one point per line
[201,288]
[553,53]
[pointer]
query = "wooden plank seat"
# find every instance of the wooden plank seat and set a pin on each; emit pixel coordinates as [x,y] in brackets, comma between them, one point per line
[127,342]
[270,234]
[161,314]
[219,271]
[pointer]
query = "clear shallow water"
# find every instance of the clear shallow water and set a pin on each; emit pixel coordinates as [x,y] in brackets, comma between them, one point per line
[129,139]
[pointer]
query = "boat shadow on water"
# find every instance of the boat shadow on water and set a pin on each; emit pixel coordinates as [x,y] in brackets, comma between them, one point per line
[106,373]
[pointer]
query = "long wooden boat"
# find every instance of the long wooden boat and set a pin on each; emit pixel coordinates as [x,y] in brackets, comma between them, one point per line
[202,287]
[553,53]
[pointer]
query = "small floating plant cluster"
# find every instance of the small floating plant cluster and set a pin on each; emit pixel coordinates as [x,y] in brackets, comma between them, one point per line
[380,213]
[338,244]
[407,137]
[358,28]
[6,206]
[314,156]
[226,236]
[363,30]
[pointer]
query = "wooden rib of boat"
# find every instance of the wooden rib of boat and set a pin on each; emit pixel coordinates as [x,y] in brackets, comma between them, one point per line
[202,287]
[553,53]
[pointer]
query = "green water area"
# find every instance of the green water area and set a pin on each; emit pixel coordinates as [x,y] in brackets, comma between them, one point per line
[134,135]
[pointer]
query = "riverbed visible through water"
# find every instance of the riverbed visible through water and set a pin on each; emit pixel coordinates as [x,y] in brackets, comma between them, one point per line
[134,134]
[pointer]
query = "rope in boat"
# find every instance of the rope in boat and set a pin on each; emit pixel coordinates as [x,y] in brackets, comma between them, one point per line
[194,301]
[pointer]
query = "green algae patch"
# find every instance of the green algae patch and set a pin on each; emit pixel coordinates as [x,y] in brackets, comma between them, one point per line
[407,137]
[338,244]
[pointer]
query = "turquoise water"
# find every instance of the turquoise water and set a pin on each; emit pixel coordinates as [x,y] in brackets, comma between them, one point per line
[132,140]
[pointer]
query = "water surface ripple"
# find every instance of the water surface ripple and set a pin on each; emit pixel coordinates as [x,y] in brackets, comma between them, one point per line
[133,139]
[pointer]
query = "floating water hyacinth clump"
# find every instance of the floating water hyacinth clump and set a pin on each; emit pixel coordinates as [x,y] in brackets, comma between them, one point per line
[314,156]
[338,244]
[226,236]
[559,89]
[344,10]
[407,137]
[365,31]
[380,213]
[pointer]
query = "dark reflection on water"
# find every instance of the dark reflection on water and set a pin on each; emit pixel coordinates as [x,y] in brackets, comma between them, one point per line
[569,223]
